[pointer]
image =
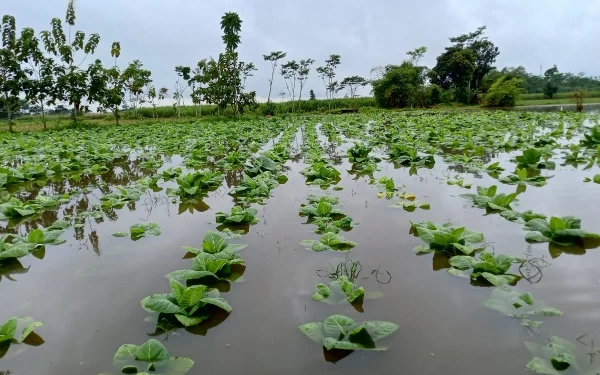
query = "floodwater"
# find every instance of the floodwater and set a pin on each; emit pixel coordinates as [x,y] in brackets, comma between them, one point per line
[87,291]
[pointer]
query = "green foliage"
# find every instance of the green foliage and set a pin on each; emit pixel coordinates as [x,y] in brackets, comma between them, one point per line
[329,241]
[15,330]
[487,198]
[592,139]
[519,306]
[400,86]
[342,333]
[563,231]
[142,230]
[196,183]
[150,357]
[521,178]
[359,153]
[214,259]
[488,267]
[338,291]
[321,173]
[238,215]
[446,238]
[532,158]
[558,355]
[186,304]
[256,188]
[504,92]
[402,155]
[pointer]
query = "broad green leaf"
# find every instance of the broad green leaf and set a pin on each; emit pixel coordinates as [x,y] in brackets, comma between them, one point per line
[322,292]
[462,262]
[379,329]
[540,366]
[151,351]
[313,330]
[330,343]
[126,351]
[219,302]
[498,280]
[213,243]
[191,296]
[30,327]
[177,289]
[189,321]
[557,224]
[8,330]
[188,275]
[337,326]
[361,336]
[356,294]
[120,234]
[159,303]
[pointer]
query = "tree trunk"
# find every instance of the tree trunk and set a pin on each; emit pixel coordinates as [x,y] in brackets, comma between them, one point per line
[43,114]
[271,84]
[116,113]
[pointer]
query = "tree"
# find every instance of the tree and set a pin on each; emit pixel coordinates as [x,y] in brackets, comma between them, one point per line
[504,92]
[136,80]
[551,78]
[11,73]
[400,86]
[40,84]
[107,86]
[71,80]
[417,54]
[353,83]
[289,72]
[303,72]
[485,53]
[327,74]
[312,95]
[273,58]
[183,75]
[454,70]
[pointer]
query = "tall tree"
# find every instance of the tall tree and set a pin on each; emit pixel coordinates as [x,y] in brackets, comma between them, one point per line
[353,83]
[12,75]
[71,80]
[551,80]
[183,75]
[303,72]
[485,53]
[136,80]
[417,54]
[273,58]
[327,74]
[312,95]
[289,72]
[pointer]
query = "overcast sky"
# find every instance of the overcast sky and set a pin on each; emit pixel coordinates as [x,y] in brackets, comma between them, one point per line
[166,33]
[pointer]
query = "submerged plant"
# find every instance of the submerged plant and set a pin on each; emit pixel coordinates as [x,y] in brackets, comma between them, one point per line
[149,358]
[339,290]
[342,333]
[321,173]
[560,231]
[14,208]
[532,158]
[186,304]
[359,154]
[261,164]
[487,198]
[488,267]
[197,183]
[256,187]
[238,215]
[592,139]
[559,355]
[15,331]
[402,155]
[520,178]
[214,259]
[329,241]
[321,207]
[519,306]
[446,238]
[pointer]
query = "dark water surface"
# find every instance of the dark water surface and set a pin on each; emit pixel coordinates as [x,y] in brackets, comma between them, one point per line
[88,294]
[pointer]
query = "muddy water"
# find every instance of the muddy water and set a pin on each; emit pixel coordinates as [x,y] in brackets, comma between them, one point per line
[88,294]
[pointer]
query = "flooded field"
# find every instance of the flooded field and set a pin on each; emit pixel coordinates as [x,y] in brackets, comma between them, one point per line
[94,219]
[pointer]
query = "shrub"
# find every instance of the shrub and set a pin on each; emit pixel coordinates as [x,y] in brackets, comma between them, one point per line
[434,94]
[503,92]
[400,86]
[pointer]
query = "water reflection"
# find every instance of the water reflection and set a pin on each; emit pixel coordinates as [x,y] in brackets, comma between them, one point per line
[10,267]
[169,325]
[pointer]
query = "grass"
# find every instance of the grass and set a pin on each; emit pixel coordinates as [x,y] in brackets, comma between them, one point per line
[167,114]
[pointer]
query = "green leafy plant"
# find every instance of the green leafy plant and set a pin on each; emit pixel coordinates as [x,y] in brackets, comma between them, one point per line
[321,207]
[238,215]
[359,153]
[446,238]
[592,139]
[17,250]
[487,198]
[339,290]
[15,208]
[8,330]
[403,155]
[143,230]
[256,187]
[520,178]
[329,241]
[558,355]
[261,164]
[342,333]
[186,304]
[532,158]
[596,179]
[215,259]
[521,216]
[232,160]
[38,238]
[322,174]
[520,306]
[197,183]
[488,267]
[149,358]
[560,231]
[119,198]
